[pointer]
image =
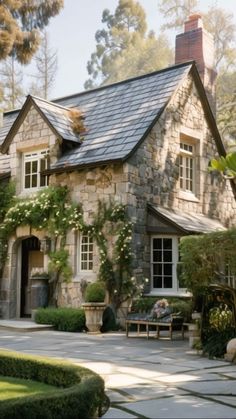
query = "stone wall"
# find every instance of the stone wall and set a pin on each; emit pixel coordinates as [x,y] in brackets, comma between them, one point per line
[33,134]
[150,175]
[153,171]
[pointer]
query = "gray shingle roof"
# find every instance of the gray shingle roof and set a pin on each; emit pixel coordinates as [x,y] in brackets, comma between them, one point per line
[58,117]
[191,223]
[8,120]
[117,117]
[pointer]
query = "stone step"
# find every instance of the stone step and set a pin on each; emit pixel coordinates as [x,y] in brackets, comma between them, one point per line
[23,325]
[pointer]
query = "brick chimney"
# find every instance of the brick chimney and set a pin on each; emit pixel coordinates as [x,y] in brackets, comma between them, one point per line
[197,44]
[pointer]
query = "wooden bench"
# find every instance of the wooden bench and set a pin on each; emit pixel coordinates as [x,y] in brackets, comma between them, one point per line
[175,322]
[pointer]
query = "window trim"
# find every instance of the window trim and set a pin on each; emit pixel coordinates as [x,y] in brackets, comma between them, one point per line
[32,156]
[187,156]
[175,259]
[79,253]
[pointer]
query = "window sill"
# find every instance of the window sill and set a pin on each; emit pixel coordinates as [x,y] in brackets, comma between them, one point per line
[27,192]
[188,196]
[85,276]
[168,293]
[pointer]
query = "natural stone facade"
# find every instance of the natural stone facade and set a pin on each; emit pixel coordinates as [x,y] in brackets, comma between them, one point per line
[149,176]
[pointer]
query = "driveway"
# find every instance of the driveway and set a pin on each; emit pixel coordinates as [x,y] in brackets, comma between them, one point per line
[144,378]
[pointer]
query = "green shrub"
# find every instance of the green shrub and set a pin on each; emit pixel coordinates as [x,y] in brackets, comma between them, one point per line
[80,391]
[64,319]
[178,305]
[183,306]
[143,304]
[95,293]
[215,342]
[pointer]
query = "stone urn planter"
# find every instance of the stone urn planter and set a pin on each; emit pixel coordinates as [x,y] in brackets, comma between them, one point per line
[93,314]
[94,306]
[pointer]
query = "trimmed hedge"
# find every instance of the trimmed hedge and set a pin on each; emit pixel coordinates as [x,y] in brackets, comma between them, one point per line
[80,392]
[65,319]
[95,292]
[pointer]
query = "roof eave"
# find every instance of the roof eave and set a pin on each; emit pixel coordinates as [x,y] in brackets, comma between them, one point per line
[78,167]
[167,220]
[22,114]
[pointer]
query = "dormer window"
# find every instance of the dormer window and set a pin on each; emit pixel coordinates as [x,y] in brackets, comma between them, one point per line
[34,164]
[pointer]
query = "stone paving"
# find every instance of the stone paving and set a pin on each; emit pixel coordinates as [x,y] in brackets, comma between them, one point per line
[144,378]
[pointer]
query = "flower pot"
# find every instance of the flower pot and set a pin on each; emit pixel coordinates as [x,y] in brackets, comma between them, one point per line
[93,315]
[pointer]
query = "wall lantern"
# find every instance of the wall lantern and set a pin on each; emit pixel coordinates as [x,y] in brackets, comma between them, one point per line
[45,245]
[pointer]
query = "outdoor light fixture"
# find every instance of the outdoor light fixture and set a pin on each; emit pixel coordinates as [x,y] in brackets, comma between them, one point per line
[45,245]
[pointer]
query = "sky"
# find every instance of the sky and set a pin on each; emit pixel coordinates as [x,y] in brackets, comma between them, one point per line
[72,34]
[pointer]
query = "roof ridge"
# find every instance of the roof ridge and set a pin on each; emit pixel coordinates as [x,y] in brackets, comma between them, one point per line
[163,70]
[49,102]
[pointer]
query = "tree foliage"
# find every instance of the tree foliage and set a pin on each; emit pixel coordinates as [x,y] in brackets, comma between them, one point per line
[12,87]
[204,259]
[226,105]
[225,165]
[46,65]
[220,24]
[124,48]
[21,22]
[176,12]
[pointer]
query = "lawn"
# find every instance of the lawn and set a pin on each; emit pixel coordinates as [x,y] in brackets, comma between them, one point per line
[17,387]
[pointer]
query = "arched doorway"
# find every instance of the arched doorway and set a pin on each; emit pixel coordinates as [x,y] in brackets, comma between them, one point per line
[31,259]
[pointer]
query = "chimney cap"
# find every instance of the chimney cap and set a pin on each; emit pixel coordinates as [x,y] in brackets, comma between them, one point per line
[195,16]
[194,22]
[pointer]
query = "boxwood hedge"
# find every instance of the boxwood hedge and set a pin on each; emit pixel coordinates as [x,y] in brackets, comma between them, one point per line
[79,394]
[65,319]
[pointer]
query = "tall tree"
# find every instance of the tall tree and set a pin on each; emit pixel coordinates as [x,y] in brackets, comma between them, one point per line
[176,12]
[11,79]
[217,21]
[124,39]
[220,24]
[46,65]
[226,106]
[21,22]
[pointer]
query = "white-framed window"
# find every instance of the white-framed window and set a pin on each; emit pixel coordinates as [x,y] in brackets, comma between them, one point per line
[229,278]
[34,163]
[187,167]
[86,250]
[164,260]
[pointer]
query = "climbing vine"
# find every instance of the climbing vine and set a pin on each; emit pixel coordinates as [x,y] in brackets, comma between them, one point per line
[53,211]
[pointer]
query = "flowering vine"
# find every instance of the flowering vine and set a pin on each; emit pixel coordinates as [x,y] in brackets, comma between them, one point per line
[53,211]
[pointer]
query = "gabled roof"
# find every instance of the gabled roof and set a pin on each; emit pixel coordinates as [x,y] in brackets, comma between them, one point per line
[56,116]
[117,117]
[186,222]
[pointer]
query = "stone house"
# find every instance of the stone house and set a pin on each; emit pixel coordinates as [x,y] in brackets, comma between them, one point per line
[148,144]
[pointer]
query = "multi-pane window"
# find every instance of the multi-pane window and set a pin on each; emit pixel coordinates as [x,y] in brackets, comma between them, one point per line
[86,253]
[186,167]
[230,278]
[34,164]
[164,259]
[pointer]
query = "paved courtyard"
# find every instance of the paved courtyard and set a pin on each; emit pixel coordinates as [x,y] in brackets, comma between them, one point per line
[144,379]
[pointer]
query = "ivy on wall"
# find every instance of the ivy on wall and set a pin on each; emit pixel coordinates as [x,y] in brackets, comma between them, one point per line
[53,211]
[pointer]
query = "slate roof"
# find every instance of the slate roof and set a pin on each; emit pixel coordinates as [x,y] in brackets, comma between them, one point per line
[58,117]
[117,117]
[189,223]
[8,119]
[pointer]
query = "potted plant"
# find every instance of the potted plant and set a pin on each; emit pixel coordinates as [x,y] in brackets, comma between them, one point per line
[94,306]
